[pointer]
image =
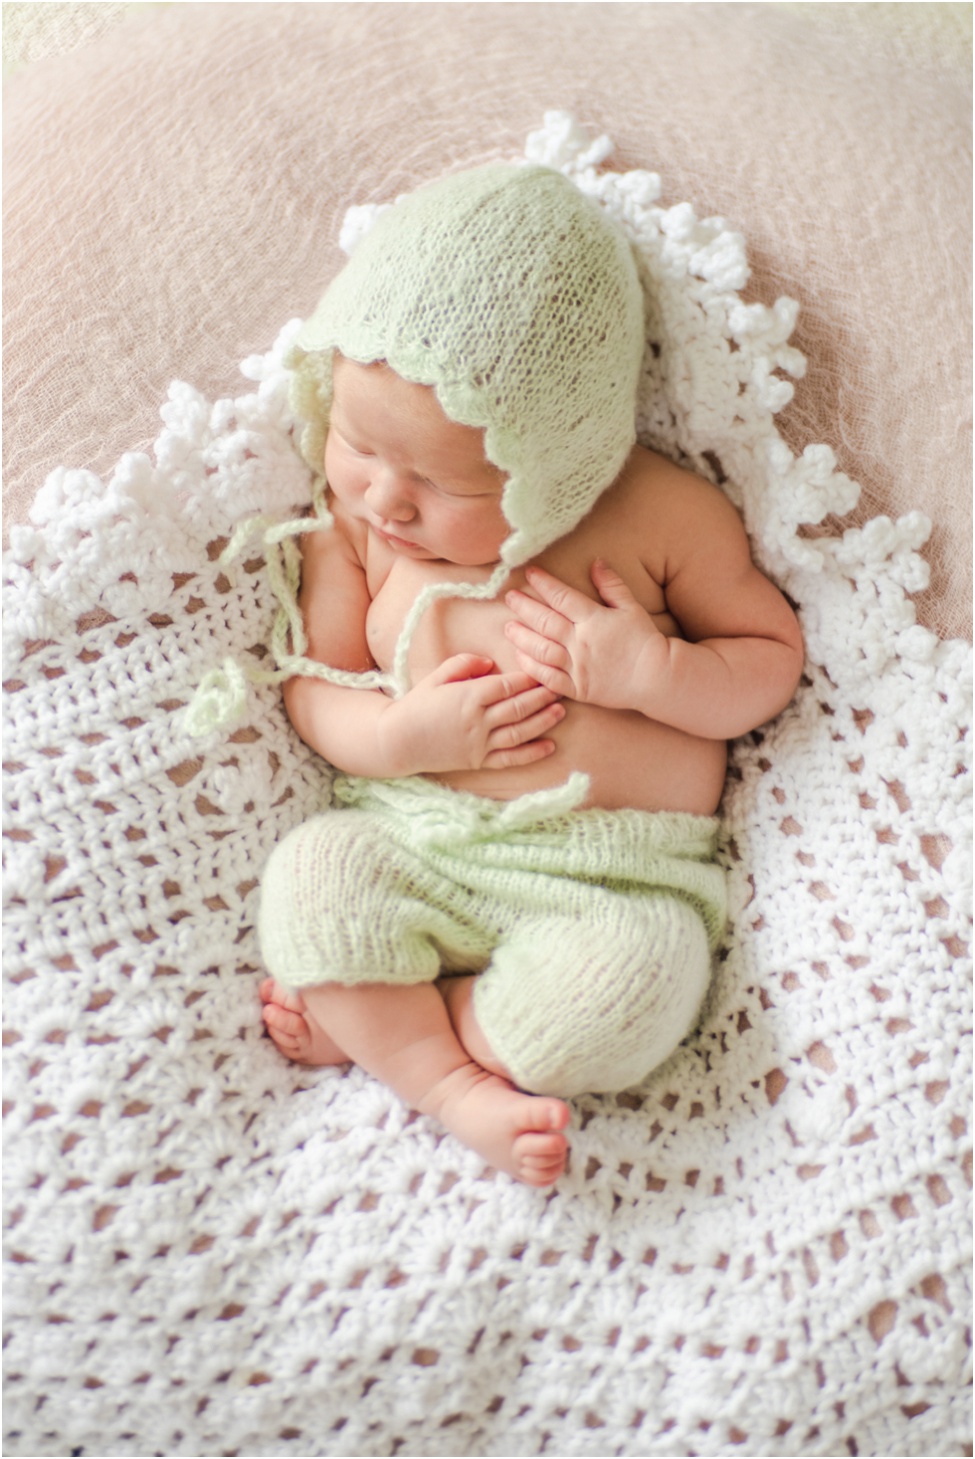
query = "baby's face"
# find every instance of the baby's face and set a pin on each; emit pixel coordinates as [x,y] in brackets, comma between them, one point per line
[419,481]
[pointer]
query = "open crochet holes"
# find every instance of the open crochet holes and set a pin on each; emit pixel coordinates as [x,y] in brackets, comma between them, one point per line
[198,1227]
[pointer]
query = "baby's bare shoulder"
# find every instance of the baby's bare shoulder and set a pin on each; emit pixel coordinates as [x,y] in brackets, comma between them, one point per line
[344,535]
[633,526]
[331,559]
[329,553]
[652,508]
[334,596]
[652,483]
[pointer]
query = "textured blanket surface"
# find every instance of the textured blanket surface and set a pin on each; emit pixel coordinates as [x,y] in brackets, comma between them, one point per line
[763,1250]
[837,136]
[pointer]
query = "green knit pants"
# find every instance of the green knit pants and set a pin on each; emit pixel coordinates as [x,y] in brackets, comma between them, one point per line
[592,930]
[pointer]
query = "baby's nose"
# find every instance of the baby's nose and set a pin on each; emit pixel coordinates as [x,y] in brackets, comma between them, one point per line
[390,496]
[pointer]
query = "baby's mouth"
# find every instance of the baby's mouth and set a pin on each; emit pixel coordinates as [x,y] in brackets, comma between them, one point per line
[393,539]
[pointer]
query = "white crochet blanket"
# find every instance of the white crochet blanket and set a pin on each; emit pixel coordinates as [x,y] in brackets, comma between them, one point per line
[209,1251]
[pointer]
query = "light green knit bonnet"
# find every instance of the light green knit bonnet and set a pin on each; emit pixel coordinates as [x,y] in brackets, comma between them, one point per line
[515,297]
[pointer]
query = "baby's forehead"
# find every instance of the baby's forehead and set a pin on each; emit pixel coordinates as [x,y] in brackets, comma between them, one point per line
[406,420]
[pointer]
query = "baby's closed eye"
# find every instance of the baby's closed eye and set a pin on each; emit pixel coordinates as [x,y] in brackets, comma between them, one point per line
[360,451]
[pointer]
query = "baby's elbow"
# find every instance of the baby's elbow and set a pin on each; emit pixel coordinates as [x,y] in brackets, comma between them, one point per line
[291,694]
[791,661]
[796,648]
[298,695]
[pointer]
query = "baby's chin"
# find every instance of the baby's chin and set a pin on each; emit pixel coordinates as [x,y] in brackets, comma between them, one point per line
[450,557]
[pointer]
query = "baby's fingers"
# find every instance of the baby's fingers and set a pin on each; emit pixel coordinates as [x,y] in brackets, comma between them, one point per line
[567,602]
[505,691]
[537,645]
[610,586]
[522,732]
[521,704]
[518,755]
[545,620]
[557,680]
[547,662]
[461,666]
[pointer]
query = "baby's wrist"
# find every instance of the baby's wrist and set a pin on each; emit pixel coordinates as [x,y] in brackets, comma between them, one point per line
[651,677]
[394,742]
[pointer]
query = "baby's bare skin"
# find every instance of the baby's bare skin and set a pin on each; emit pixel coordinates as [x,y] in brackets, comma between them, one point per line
[631,650]
[631,760]
[407,1038]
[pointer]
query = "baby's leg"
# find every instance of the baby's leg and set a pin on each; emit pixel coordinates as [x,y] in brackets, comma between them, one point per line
[457,992]
[573,1007]
[403,1036]
[297,1036]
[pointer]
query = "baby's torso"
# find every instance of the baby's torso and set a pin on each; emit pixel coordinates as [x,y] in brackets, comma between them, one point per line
[631,760]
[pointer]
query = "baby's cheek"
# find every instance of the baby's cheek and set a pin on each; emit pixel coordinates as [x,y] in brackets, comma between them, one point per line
[495,528]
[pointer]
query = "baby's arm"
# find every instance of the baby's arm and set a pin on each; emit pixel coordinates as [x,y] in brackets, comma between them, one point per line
[462,716]
[739,661]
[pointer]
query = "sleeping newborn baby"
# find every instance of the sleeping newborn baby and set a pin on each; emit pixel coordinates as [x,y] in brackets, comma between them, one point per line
[528,640]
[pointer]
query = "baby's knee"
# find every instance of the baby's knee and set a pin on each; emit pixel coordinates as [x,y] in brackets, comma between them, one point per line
[329,855]
[340,904]
[596,1009]
[324,865]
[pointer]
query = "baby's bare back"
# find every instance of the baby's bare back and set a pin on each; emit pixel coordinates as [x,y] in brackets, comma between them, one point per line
[631,760]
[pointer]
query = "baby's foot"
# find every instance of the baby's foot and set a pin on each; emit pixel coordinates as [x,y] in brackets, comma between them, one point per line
[515,1132]
[294,1030]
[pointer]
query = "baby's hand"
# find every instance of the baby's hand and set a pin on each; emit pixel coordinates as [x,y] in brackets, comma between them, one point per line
[581,649]
[466,716]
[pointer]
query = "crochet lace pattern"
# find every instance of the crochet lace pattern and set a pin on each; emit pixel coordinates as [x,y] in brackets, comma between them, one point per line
[762,1250]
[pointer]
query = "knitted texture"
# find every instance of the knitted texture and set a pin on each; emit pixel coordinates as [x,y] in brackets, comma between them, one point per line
[514,296]
[592,931]
[518,300]
[763,1250]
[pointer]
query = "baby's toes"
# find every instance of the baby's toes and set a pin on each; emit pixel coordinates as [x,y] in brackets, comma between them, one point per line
[272,993]
[554,1114]
[541,1175]
[282,1021]
[540,1159]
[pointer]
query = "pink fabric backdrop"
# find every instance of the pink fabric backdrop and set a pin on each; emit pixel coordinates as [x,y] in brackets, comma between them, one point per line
[173,194]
